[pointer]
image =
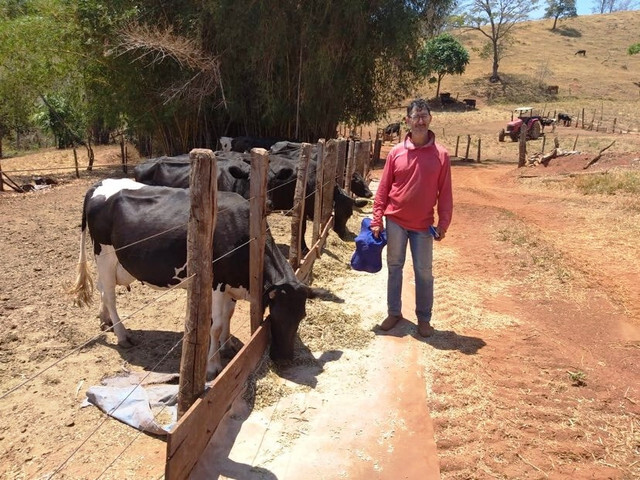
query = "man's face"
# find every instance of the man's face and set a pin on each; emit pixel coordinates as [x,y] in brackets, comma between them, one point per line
[419,120]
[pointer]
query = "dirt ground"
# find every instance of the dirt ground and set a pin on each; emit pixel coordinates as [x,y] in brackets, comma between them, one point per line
[533,372]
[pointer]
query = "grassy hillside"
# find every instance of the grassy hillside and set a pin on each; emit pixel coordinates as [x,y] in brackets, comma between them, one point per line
[540,56]
[599,86]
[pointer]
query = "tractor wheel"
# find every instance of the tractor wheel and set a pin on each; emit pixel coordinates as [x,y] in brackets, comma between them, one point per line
[501,135]
[515,136]
[534,131]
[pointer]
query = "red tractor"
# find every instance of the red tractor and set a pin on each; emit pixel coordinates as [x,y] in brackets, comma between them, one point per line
[535,124]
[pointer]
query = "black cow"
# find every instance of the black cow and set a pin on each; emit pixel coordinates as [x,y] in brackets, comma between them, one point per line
[233,172]
[565,119]
[291,151]
[245,144]
[392,128]
[139,232]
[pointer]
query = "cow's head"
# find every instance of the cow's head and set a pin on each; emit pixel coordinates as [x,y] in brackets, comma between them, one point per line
[359,186]
[287,308]
[225,143]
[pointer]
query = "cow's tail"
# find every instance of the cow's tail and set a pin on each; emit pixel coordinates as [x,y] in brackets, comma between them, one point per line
[82,290]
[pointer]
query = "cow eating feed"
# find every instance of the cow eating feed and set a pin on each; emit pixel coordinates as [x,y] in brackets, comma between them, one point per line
[139,232]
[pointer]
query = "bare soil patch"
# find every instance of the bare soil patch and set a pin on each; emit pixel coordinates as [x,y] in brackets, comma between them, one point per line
[533,372]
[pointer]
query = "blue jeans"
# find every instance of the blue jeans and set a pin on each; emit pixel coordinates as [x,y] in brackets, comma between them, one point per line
[421,244]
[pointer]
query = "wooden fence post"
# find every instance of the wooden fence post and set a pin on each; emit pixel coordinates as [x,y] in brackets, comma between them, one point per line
[457,143]
[522,147]
[377,147]
[342,160]
[365,155]
[317,205]
[351,166]
[298,213]
[575,143]
[582,119]
[466,155]
[257,228]
[544,141]
[75,161]
[123,154]
[1,180]
[613,129]
[202,223]
[479,147]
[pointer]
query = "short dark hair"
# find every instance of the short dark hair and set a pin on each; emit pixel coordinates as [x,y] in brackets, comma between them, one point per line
[418,104]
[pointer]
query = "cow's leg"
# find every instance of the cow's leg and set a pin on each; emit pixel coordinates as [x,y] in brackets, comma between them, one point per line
[219,325]
[108,275]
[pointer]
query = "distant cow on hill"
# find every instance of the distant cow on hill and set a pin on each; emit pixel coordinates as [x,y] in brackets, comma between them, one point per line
[581,52]
[470,102]
[565,119]
[553,89]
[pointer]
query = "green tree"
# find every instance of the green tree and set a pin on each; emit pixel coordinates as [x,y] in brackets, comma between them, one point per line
[560,9]
[442,55]
[634,49]
[186,73]
[496,19]
[38,53]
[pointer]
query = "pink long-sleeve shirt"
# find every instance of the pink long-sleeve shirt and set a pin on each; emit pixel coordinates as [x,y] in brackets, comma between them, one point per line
[415,180]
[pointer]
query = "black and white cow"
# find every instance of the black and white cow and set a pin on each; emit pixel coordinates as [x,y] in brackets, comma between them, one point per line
[139,232]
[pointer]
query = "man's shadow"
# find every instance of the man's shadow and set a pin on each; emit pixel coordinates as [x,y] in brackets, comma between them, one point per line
[441,339]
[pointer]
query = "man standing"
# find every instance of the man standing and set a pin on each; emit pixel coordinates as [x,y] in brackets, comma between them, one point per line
[416,179]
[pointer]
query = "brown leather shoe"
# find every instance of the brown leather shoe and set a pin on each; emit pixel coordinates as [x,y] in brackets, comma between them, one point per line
[425,329]
[390,322]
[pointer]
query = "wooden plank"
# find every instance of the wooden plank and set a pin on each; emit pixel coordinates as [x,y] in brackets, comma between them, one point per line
[188,439]
[202,223]
[257,229]
[329,169]
[306,265]
[298,215]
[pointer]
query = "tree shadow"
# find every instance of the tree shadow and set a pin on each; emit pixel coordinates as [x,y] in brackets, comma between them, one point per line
[567,32]
[441,339]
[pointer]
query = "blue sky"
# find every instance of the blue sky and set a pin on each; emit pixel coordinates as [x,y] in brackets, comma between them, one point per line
[583,7]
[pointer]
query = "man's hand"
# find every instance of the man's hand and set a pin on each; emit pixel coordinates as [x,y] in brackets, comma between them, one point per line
[441,234]
[376,231]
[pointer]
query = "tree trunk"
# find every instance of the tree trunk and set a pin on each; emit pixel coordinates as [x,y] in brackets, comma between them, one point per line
[494,74]
[555,21]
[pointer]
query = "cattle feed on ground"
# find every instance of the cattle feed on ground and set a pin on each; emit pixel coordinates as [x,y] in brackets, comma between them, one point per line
[139,232]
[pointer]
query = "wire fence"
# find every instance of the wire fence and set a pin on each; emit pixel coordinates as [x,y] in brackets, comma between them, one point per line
[182,284]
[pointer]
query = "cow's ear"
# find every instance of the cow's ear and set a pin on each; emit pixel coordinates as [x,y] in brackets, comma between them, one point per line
[237,172]
[284,174]
[275,291]
[323,294]
[360,203]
